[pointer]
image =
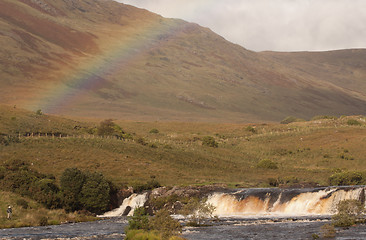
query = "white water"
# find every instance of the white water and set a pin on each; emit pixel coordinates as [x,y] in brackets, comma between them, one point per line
[134,201]
[282,203]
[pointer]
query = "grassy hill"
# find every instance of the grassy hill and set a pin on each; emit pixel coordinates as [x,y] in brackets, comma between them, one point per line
[104,59]
[175,154]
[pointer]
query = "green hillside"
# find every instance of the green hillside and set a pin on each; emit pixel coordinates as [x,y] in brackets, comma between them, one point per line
[175,153]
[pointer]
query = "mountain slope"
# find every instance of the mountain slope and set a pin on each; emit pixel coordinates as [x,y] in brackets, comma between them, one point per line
[104,59]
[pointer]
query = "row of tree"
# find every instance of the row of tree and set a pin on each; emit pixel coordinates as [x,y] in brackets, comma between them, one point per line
[78,190]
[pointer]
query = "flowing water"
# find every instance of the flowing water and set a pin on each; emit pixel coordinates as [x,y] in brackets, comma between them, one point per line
[243,214]
[283,202]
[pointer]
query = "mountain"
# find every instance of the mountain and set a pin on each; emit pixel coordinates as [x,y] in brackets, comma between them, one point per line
[100,58]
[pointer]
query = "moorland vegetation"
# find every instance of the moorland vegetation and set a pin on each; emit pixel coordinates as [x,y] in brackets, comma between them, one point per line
[41,154]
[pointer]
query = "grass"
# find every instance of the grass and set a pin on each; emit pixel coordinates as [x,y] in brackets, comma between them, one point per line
[310,151]
[34,215]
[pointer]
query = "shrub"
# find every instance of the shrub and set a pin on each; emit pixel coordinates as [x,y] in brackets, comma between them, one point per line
[154,131]
[323,117]
[328,231]
[39,112]
[109,128]
[291,119]
[141,235]
[151,184]
[7,140]
[267,164]
[315,236]
[139,220]
[251,129]
[353,122]
[160,202]
[141,141]
[165,224]
[22,203]
[273,182]
[209,141]
[46,191]
[346,178]
[20,179]
[348,213]
[43,221]
[106,128]
[198,211]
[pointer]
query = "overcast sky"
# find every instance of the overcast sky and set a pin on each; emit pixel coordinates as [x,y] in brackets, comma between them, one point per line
[278,25]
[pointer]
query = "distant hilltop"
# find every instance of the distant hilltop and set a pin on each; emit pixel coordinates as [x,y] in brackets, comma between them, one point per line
[100,58]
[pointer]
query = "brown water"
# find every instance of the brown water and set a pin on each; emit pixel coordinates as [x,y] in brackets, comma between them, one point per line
[229,229]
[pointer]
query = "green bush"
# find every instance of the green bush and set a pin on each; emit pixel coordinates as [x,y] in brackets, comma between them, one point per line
[142,235]
[319,117]
[140,187]
[267,164]
[198,210]
[43,221]
[22,203]
[18,178]
[139,220]
[251,129]
[346,178]
[165,224]
[291,119]
[141,141]
[154,131]
[353,122]
[106,128]
[7,140]
[315,236]
[209,141]
[349,212]
[328,231]
[46,191]
[109,128]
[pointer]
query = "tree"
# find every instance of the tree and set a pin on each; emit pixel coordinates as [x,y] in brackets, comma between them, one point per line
[106,128]
[72,181]
[94,195]
[89,191]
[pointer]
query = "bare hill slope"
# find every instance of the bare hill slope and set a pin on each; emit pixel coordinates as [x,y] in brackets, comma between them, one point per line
[100,58]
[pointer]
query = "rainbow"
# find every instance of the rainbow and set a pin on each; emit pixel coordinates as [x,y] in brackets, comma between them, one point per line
[75,83]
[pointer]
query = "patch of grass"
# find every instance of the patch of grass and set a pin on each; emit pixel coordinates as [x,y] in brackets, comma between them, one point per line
[353,122]
[267,164]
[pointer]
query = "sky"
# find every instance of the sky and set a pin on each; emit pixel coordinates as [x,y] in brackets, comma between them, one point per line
[276,25]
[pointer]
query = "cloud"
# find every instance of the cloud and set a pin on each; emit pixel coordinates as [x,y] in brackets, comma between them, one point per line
[279,25]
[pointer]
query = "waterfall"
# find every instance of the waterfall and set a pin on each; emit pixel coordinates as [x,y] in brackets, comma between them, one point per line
[286,202]
[128,206]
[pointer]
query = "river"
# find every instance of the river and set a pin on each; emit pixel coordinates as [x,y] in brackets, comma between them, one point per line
[228,229]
